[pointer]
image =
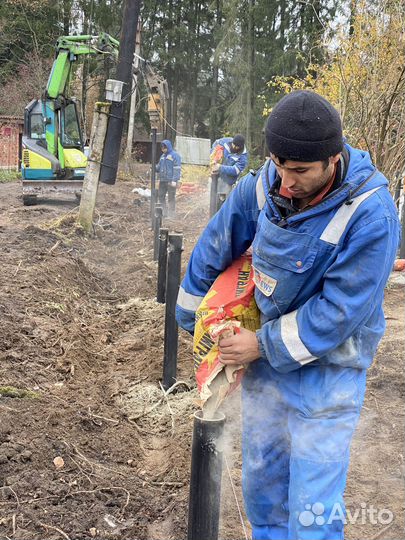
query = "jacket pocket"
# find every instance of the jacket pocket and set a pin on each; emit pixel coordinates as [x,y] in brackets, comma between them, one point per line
[280,280]
[282,261]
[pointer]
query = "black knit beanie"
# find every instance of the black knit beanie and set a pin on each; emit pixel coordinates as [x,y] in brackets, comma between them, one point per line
[239,141]
[304,126]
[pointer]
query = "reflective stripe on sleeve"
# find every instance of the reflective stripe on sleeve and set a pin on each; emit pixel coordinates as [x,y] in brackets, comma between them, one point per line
[337,225]
[292,340]
[176,167]
[261,198]
[236,169]
[188,301]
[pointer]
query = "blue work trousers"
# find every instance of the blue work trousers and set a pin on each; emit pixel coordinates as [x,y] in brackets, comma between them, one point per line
[297,429]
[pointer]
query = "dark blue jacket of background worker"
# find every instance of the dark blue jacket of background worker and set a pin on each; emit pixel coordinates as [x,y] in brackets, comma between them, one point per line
[233,164]
[169,166]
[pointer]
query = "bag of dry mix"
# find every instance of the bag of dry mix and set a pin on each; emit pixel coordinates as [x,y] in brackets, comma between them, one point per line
[228,305]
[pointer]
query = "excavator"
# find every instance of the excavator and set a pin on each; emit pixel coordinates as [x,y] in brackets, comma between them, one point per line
[53,158]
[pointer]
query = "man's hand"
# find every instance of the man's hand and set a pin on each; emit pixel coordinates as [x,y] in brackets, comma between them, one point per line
[215,168]
[241,348]
[173,184]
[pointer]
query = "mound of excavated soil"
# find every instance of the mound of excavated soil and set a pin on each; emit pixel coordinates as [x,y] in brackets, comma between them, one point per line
[82,333]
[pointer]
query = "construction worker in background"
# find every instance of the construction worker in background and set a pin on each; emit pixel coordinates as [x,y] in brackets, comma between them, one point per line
[169,169]
[229,158]
[324,231]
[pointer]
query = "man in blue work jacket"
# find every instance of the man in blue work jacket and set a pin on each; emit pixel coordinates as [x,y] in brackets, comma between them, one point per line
[169,169]
[234,159]
[324,231]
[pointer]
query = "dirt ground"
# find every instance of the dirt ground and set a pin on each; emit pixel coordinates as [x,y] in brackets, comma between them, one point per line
[82,333]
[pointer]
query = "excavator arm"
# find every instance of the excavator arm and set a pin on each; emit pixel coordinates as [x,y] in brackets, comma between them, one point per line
[67,49]
[158,97]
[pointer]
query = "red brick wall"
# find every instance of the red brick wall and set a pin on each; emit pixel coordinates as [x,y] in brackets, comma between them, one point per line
[10,130]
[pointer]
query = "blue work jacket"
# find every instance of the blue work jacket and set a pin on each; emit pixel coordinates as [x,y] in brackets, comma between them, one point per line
[319,274]
[233,164]
[169,166]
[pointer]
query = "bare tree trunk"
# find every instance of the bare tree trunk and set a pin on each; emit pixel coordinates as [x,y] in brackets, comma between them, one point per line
[67,6]
[195,70]
[250,60]
[283,27]
[193,102]
[168,131]
[174,100]
[85,74]
[300,65]
[176,73]
[213,127]
[213,114]
[384,125]
[131,117]
[91,179]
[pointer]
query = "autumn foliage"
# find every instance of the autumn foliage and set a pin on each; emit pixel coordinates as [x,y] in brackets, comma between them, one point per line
[365,80]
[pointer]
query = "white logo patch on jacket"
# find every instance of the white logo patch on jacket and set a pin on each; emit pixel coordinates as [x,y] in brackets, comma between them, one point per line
[265,284]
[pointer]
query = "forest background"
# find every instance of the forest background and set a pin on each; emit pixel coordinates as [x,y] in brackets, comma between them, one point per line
[228,62]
